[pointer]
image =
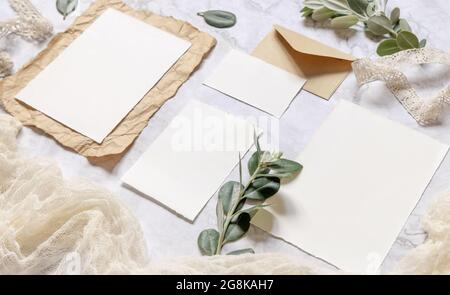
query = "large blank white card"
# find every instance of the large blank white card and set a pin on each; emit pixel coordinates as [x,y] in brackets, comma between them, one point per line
[255,82]
[95,82]
[189,161]
[362,177]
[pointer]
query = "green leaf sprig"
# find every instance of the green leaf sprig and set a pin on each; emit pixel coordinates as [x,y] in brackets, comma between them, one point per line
[345,14]
[266,171]
[219,18]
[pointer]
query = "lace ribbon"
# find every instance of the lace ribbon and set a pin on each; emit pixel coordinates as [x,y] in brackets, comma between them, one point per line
[425,112]
[6,64]
[29,24]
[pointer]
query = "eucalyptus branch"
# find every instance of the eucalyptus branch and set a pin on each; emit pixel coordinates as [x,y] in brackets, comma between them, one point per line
[344,14]
[233,216]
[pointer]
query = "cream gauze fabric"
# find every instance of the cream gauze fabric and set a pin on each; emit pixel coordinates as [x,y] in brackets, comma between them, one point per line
[433,256]
[29,25]
[424,111]
[48,225]
[51,226]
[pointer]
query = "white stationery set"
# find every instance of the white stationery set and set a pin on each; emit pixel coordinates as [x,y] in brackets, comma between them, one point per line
[363,174]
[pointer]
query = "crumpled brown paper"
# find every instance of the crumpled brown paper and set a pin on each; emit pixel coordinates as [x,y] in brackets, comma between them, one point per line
[132,125]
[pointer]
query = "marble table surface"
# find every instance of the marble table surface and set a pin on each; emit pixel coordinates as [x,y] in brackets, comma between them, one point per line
[167,235]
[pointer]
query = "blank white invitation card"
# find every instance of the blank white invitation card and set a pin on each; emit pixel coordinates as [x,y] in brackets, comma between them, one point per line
[255,82]
[189,161]
[362,177]
[95,82]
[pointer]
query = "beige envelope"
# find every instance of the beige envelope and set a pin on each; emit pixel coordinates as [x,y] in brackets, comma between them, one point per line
[324,67]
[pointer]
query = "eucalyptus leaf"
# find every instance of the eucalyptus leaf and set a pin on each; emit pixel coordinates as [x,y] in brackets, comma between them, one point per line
[262,188]
[235,231]
[208,241]
[322,14]
[66,7]
[423,43]
[242,251]
[388,47]
[219,18]
[340,6]
[313,4]
[284,168]
[379,25]
[358,6]
[344,22]
[407,40]
[395,15]
[404,25]
[306,11]
[253,162]
[229,195]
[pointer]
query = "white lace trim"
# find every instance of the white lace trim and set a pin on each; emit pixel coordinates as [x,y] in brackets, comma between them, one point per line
[29,24]
[6,64]
[425,112]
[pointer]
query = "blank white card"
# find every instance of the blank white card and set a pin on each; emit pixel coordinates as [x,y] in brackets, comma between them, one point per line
[363,175]
[95,82]
[188,162]
[255,82]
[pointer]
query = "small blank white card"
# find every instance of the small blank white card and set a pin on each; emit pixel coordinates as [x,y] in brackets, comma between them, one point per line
[255,82]
[95,82]
[188,162]
[362,177]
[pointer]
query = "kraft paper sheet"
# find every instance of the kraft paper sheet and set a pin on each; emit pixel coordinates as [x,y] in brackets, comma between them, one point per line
[132,125]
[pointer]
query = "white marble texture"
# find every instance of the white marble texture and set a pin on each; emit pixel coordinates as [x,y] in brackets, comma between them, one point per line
[169,236]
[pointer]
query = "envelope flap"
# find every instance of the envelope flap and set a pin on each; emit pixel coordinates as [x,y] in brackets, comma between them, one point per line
[307,45]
